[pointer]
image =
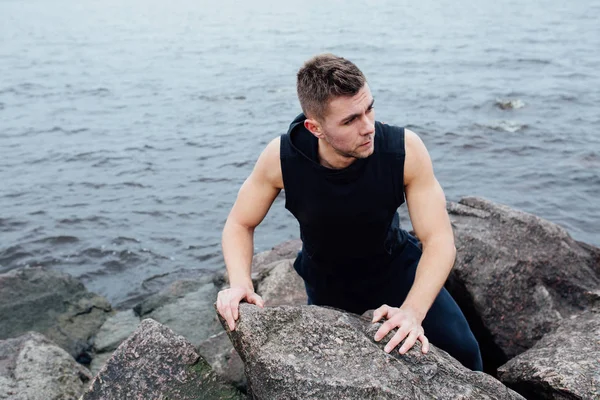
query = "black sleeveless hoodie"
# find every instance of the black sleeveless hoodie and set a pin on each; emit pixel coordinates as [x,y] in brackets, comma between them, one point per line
[348,217]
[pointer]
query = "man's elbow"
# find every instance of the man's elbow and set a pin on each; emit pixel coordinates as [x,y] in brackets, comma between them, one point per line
[235,225]
[440,243]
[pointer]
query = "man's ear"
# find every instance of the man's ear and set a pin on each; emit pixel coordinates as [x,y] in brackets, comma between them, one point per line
[314,127]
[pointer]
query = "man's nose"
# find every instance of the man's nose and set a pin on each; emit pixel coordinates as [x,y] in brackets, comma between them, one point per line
[367,126]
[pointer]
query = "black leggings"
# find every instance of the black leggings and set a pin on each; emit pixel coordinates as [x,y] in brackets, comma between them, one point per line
[445,325]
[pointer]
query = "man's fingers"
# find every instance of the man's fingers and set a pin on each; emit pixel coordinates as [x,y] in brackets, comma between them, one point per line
[228,316]
[384,329]
[256,299]
[424,343]
[395,340]
[409,342]
[380,313]
[233,305]
[228,303]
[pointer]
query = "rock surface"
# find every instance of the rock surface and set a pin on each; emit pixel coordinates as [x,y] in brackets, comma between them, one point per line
[156,363]
[310,352]
[262,261]
[517,275]
[284,251]
[98,362]
[34,368]
[52,303]
[278,284]
[186,307]
[115,330]
[564,364]
[281,285]
[218,351]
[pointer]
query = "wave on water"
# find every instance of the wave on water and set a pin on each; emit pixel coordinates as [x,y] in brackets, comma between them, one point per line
[11,224]
[591,159]
[538,61]
[56,240]
[503,126]
[11,254]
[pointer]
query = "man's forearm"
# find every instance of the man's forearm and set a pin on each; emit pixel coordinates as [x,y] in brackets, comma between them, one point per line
[432,271]
[238,248]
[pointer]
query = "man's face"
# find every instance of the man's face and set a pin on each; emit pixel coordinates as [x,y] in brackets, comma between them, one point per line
[349,125]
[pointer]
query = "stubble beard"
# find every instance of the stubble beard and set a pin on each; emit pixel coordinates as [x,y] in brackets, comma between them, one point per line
[356,153]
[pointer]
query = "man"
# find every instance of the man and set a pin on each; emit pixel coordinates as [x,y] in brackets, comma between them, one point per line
[345,175]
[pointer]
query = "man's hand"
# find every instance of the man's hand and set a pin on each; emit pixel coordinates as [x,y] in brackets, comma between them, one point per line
[408,324]
[228,301]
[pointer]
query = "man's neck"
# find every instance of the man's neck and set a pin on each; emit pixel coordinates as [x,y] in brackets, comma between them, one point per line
[330,158]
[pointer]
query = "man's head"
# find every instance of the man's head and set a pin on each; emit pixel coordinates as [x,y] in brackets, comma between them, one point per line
[337,102]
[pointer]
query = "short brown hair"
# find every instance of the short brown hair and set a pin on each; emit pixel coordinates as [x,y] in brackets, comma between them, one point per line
[323,77]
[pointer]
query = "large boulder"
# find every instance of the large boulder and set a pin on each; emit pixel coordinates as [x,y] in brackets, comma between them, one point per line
[564,364]
[278,284]
[185,306]
[34,368]
[54,304]
[516,276]
[156,363]
[309,352]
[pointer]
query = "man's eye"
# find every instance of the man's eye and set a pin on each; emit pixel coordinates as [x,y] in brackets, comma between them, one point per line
[349,121]
[370,108]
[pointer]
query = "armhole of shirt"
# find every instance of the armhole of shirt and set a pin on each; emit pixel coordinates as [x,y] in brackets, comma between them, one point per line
[398,152]
[401,160]
[284,157]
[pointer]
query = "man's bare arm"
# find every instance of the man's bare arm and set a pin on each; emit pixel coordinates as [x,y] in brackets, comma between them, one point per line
[427,209]
[254,199]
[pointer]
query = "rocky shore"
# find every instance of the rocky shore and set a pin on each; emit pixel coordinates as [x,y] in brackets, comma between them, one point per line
[530,292]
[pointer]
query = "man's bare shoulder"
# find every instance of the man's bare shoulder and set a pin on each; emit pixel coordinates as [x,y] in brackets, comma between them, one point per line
[417,158]
[268,166]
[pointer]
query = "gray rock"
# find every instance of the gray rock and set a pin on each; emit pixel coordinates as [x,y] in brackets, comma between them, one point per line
[114,330]
[171,293]
[284,251]
[98,362]
[156,363]
[278,284]
[186,307]
[261,262]
[218,351]
[564,364]
[310,352]
[34,368]
[52,303]
[509,104]
[517,275]
[281,285]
